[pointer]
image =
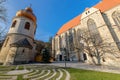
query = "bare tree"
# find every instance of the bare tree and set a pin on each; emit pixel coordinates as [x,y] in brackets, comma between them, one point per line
[95,46]
[2,11]
[3,20]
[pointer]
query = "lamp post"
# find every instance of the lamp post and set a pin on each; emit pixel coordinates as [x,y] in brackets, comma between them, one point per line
[64,50]
[65,56]
[65,60]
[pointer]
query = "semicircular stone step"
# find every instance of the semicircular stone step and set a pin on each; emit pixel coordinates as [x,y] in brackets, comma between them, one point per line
[31,74]
[67,74]
[37,75]
[8,77]
[38,78]
[54,73]
[61,74]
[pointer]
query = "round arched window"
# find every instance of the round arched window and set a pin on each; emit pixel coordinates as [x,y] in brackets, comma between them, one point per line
[14,23]
[27,25]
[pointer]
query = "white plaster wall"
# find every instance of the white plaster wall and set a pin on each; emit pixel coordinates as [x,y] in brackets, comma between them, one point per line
[19,28]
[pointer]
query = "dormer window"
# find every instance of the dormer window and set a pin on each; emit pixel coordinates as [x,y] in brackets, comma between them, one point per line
[14,24]
[27,25]
[87,12]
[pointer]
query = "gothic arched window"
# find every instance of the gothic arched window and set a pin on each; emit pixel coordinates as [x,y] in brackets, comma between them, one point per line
[14,23]
[75,38]
[92,27]
[94,33]
[56,44]
[70,38]
[27,25]
[79,33]
[79,38]
[66,39]
[60,42]
[116,18]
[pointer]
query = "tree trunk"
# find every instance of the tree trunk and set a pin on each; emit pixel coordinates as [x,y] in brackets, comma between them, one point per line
[99,60]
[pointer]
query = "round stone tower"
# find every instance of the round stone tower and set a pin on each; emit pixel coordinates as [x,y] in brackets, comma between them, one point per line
[19,44]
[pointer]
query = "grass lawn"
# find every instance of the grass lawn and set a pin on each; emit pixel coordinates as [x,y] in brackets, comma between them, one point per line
[20,68]
[20,77]
[80,74]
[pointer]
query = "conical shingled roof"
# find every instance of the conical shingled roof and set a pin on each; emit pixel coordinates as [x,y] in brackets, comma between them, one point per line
[22,43]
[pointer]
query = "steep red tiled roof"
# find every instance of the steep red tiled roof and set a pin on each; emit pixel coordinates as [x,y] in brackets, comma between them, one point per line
[104,5]
[72,23]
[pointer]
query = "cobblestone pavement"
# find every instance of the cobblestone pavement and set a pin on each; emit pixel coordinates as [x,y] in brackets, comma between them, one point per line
[80,65]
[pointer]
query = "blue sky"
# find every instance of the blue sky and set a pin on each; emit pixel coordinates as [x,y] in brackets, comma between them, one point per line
[51,14]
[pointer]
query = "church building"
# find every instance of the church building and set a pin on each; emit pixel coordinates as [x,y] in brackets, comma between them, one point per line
[19,46]
[102,19]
